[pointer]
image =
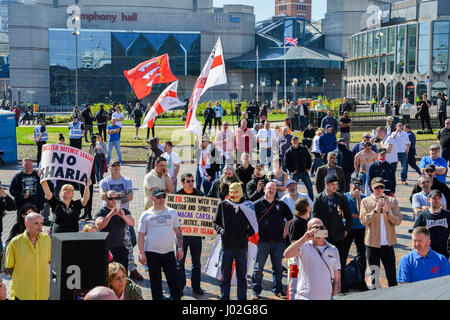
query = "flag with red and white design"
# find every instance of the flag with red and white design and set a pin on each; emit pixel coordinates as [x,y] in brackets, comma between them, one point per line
[147,73]
[290,41]
[167,100]
[213,74]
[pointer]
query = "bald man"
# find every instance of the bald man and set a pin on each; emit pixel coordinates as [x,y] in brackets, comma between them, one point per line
[100,293]
[27,259]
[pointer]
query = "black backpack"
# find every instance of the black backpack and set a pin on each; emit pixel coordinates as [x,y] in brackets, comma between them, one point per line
[353,274]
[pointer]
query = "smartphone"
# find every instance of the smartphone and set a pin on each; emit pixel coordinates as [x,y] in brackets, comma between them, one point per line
[118,204]
[320,233]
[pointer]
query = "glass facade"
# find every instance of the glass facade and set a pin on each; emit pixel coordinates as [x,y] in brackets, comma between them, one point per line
[104,55]
[424,47]
[438,86]
[401,50]
[440,46]
[410,92]
[411,49]
[399,92]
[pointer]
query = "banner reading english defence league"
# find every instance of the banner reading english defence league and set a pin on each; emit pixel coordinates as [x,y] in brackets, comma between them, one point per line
[61,162]
[196,214]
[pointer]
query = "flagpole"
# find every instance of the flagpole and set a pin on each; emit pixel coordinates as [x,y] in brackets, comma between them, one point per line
[285,100]
[257,72]
[232,121]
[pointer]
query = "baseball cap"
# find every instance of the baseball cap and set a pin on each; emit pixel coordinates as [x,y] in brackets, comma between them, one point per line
[430,166]
[291,181]
[113,162]
[433,193]
[328,126]
[390,118]
[158,192]
[331,178]
[435,146]
[205,137]
[341,140]
[377,181]
[356,181]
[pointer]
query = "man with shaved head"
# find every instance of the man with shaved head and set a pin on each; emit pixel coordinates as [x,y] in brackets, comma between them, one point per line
[318,264]
[100,293]
[274,217]
[27,259]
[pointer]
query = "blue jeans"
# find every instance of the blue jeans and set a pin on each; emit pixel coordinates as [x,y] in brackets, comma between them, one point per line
[363,177]
[195,245]
[275,249]
[239,255]
[303,122]
[116,145]
[403,159]
[99,162]
[201,181]
[318,162]
[306,180]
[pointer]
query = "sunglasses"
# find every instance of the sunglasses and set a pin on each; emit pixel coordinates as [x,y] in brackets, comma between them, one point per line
[319,227]
[379,187]
[429,171]
[116,165]
[163,196]
[189,181]
[112,198]
[367,137]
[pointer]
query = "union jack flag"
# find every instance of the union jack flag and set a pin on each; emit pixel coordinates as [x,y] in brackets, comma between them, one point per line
[291,41]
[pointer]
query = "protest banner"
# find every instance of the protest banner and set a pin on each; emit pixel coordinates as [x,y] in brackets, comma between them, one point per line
[196,213]
[61,162]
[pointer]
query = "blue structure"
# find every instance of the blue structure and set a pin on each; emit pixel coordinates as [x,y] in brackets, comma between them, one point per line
[8,140]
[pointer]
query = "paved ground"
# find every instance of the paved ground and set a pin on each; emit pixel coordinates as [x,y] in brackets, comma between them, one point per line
[211,286]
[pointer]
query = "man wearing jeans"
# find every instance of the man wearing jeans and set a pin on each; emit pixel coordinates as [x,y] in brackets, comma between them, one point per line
[113,131]
[402,145]
[274,218]
[298,161]
[158,227]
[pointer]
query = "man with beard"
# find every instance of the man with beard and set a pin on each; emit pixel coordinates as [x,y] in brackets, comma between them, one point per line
[330,169]
[228,177]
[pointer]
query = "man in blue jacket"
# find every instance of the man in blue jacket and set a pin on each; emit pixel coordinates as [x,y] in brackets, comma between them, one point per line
[330,120]
[382,168]
[327,141]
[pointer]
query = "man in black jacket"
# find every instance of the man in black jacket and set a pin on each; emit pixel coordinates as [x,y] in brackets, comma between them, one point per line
[255,187]
[235,228]
[208,116]
[346,160]
[297,161]
[228,177]
[102,120]
[6,204]
[331,207]
[344,106]
[153,154]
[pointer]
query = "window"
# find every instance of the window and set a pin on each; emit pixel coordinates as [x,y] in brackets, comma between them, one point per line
[383,65]
[374,66]
[390,64]
[401,49]
[364,45]
[363,67]
[376,42]
[423,54]
[359,45]
[438,86]
[369,66]
[381,91]
[362,93]
[370,43]
[383,40]
[374,91]
[421,89]
[368,92]
[409,92]
[399,92]
[440,46]
[282,8]
[391,40]
[389,92]
[411,49]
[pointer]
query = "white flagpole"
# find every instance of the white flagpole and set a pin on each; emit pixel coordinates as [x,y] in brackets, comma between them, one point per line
[257,73]
[285,100]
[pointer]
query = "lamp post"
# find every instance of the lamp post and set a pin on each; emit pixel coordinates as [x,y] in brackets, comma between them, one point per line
[294,84]
[251,91]
[242,91]
[73,22]
[277,83]
[379,35]
[334,88]
[324,82]
[185,59]
[345,86]
[263,84]
[307,84]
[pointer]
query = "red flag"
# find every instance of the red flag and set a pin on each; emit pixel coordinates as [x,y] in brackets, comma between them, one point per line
[148,73]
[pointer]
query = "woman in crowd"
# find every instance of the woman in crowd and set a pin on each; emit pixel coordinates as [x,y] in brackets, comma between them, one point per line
[301,215]
[124,288]
[100,153]
[279,177]
[66,211]
[318,161]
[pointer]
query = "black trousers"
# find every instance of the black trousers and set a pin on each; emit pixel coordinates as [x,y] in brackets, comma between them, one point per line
[76,143]
[120,255]
[102,128]
[207,122]
[39,150]
[166,262]
[195,245]
[340,246]
[387,256]
[412,162]
[425,118]
[442,117]
[358,236]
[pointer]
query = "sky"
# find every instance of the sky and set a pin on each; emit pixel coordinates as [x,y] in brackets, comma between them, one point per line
[266,8]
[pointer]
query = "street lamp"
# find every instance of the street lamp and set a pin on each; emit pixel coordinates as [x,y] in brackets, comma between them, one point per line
[73,22]
[242,91]
[379,36]
[185,58]
[345,86]
[294,84]
[307,84]
[277,83]
[263,84]
[324,82]
[334,88]
[251,91]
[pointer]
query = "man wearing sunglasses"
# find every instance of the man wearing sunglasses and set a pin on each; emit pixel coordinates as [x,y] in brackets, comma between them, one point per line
[114,220]
[381,214]
[158,227]
[358,147]
[193,243]
[420,199]
[319,266]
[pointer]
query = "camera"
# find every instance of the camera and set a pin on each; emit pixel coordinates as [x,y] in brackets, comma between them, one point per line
[320,233]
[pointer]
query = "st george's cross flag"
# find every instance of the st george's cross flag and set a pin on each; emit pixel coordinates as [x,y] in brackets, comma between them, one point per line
[147,73]
[213,74]
[166,101]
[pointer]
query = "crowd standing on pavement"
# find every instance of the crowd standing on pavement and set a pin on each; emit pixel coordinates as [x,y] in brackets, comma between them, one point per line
[255,171]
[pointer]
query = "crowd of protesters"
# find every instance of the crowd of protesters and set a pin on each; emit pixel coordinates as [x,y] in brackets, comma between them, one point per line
[256,168]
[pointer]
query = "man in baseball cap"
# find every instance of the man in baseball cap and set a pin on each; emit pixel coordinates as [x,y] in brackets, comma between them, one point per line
[434,158]
[293,195]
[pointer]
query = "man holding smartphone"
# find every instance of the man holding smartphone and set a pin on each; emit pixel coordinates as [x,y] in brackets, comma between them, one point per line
[319,265]
[380,214]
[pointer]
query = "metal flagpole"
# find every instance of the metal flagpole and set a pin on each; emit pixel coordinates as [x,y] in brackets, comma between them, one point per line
[284,45]
[257,74]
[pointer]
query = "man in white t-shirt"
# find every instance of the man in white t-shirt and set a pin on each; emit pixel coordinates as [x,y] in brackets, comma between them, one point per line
[173,162]
[319,266]
[157,178]
[158,227]
[118,115]
[388,142]
[402,145]
[266,137]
